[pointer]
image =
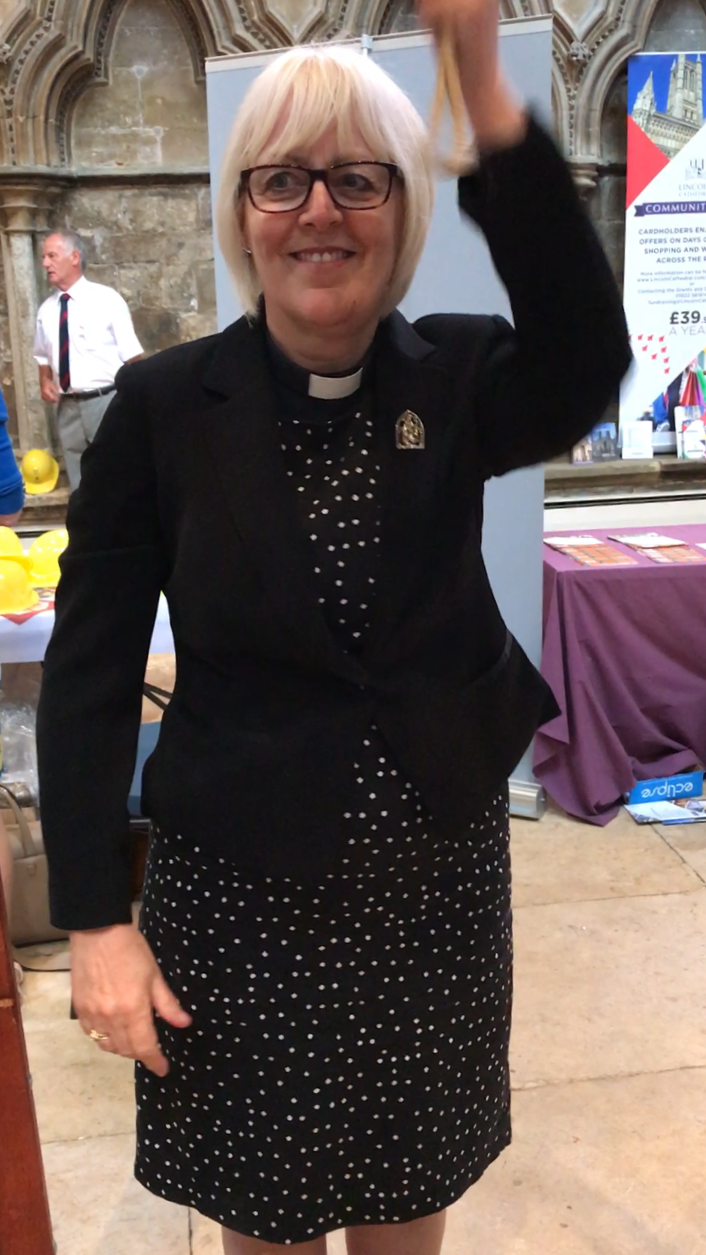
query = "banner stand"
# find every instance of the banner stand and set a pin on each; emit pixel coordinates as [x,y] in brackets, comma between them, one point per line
[665,249]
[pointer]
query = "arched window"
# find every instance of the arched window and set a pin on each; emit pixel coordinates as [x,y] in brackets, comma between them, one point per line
[150,109]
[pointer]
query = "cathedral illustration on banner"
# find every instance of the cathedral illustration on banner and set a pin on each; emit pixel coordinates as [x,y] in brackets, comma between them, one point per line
[672,129]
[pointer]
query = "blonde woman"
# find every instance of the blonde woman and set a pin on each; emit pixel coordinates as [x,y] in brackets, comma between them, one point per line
[319,997]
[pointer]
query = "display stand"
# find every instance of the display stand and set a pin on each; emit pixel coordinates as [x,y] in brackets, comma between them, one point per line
[455,275]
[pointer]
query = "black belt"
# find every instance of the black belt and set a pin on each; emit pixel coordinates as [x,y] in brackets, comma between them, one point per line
[87,396]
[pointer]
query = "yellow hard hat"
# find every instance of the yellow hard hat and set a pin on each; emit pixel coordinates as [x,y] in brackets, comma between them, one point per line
[43,554]
[40,471]
[10,543]
[16,592]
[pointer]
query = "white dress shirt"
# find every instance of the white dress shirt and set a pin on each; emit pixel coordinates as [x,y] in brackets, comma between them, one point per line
[101,335]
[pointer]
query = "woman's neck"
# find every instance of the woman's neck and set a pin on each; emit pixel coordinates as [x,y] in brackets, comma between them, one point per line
[322,352]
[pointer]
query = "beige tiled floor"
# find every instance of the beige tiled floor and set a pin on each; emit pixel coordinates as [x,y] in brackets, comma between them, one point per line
[608,1063]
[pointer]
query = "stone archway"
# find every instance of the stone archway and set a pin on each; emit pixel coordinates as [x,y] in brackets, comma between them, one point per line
[619,30]
[108,136]
[49,80]
[136,142]
[147,107]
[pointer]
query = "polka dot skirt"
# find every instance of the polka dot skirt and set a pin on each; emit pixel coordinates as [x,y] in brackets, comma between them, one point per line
[348,1058]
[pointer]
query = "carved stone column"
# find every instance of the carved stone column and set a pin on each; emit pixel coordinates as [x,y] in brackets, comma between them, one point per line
[585,172]
[24,203]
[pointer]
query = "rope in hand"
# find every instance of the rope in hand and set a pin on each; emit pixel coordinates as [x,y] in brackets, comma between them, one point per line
[448,90]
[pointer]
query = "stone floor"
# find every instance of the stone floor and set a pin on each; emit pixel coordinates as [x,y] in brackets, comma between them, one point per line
[608,1065]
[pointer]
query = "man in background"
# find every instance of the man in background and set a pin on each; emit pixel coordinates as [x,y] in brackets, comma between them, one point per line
[84,335]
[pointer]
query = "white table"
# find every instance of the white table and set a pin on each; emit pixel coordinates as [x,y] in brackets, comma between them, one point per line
[27,642]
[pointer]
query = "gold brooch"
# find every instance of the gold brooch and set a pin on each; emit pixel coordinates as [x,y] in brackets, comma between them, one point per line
[409,431]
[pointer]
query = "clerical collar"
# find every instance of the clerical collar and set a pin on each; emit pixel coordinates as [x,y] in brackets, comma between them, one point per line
[319,387]
[333,387]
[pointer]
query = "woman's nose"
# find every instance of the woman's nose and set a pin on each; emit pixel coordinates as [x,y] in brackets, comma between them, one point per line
[320,209]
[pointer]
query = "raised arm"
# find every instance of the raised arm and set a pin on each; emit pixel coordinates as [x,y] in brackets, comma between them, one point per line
[546,382]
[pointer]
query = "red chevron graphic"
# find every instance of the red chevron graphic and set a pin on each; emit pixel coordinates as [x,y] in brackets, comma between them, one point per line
[645,161]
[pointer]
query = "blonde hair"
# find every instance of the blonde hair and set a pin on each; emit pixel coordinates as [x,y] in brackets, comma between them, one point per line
[309,87]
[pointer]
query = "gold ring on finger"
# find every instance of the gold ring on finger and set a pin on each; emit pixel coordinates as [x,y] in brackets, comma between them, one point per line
[96,1036]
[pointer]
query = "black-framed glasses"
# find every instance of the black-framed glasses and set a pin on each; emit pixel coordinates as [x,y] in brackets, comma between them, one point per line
[350,184]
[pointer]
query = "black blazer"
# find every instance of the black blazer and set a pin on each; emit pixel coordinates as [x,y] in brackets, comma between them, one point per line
[184,490]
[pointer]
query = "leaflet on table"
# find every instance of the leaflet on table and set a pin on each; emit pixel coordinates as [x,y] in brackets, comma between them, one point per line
[665,248]
[646,540]
[589,551]
[637,440]
[688,811]
[691,432]
[660,548]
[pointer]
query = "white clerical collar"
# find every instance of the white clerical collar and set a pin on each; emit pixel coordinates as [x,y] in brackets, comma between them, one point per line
[333,387]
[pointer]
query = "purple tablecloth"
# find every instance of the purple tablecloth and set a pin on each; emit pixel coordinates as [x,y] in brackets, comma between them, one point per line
[625,653]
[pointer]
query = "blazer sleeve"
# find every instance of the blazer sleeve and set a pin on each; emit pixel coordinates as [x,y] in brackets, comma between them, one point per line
[545,383]
[90,703]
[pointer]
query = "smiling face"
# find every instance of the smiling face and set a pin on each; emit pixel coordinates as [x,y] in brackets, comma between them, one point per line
[62,264]
[324,271]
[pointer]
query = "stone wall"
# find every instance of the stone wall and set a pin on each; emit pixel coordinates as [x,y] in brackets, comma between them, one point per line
[150,238]
[607,203]
[154,245]
[151,114]
[6,368]
[136,186]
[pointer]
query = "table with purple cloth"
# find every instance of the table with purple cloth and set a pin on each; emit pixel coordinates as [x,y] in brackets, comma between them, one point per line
[625,654]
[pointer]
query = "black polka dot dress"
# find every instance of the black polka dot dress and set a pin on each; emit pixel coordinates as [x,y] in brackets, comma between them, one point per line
[348,1058]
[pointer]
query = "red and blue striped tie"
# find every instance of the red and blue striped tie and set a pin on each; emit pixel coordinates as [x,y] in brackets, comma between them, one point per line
[64,371]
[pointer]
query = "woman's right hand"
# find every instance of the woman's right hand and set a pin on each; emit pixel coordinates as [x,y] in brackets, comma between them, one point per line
[116,988]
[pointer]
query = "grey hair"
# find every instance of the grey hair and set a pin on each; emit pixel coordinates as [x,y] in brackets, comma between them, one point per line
[72,240]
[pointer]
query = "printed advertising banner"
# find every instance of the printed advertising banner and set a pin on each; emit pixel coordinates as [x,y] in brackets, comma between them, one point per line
[665,251]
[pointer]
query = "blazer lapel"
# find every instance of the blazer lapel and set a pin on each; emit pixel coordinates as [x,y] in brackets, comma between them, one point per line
[244,439]
[405,380]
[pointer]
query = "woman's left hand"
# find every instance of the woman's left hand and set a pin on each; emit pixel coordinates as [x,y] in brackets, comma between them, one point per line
[497,116]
